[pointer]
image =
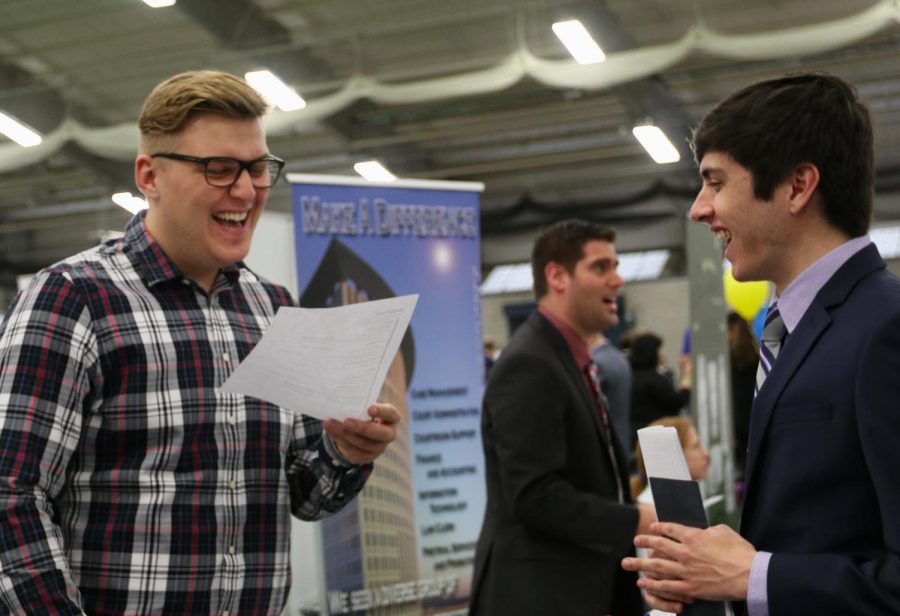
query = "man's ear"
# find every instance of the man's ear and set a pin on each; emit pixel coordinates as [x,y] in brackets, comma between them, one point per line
[145,175]
[557,277]
[803,182]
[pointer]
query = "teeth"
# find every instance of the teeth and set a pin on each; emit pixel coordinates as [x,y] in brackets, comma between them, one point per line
[723,235]
[231,216]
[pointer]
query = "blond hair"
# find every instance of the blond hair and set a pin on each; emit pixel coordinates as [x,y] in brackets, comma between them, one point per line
[178,99]
[682,424]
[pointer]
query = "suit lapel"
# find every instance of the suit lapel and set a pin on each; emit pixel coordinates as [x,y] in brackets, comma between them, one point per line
[814,323]
[574,372]
[564,354]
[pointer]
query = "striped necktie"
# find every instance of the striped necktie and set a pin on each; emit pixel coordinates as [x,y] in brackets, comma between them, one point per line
[773,336]
[593,380]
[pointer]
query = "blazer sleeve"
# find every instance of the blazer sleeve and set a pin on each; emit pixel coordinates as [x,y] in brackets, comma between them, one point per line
[528,399]
[858,585]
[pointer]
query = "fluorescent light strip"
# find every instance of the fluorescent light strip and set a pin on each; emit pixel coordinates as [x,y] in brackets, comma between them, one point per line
[374,171]
[275,91]
[158,4]
[130,202]
[19,132]
[579,42]
[656,143]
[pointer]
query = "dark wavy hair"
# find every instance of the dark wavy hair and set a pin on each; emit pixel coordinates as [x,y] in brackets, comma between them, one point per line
[772,126]
[644,351]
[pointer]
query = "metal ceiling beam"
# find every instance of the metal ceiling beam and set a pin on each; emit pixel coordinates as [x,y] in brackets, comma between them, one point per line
[44,108]
[240,25]
[648,98]
[237,24]
[35,104]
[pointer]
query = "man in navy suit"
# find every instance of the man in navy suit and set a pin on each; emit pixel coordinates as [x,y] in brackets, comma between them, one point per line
[559,515]
[787,168]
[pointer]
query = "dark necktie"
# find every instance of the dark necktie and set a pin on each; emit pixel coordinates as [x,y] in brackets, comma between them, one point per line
[773,336]
[590,371]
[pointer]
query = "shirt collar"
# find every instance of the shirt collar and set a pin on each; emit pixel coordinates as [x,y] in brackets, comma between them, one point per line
[154,265]
[576,343]
[793,303]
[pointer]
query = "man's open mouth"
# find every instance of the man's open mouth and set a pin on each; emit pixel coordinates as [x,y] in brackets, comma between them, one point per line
[231,219]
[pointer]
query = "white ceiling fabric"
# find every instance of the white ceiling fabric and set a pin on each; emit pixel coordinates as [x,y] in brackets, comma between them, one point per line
[120,142]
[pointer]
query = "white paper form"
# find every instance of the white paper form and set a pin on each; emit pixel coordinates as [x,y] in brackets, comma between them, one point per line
[325,362]
[662,452]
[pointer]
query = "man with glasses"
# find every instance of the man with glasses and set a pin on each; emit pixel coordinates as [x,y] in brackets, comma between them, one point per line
[129,484]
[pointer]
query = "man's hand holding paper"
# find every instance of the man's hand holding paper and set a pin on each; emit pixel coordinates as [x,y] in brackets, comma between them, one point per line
[690,563]
[686,563]
[361,442]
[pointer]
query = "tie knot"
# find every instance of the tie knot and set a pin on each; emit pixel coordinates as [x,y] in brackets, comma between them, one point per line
[774,328]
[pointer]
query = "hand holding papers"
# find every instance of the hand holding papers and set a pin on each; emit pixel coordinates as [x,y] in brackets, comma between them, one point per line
[327,363]
[676,496]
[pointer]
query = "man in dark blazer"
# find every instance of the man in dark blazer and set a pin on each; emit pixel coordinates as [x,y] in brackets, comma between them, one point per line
[787,169]
[559,516]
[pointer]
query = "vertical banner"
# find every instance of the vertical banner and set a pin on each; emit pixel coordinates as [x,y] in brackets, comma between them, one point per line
[406,544]
[711,397]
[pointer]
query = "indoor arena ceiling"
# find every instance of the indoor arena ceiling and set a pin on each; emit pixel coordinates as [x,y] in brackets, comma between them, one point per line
[474,90]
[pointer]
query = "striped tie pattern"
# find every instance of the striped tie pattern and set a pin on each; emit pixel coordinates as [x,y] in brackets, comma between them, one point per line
[773,335]
[593,380]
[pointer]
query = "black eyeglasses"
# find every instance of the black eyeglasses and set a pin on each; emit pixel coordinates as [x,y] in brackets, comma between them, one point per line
[223,172]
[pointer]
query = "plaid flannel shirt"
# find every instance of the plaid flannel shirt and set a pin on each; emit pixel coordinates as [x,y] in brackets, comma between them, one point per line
[128,483]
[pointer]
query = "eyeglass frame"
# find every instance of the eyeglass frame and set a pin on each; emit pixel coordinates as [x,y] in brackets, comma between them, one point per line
[243,165]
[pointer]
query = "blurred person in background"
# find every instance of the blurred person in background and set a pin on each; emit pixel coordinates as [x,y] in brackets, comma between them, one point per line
[559,514]
[744,354]
[491,353]
[652,393]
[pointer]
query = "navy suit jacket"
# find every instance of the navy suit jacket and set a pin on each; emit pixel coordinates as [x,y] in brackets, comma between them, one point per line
[823,465]
[553,532]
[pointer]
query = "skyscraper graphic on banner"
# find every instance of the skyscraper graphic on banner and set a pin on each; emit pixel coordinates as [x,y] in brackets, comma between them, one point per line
[372,541]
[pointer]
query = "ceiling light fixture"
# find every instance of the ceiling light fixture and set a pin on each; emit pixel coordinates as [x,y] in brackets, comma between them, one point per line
[656,143]
[158,4]
[24,135]
[579,42]
[130,202]
[374,171]
[274,90]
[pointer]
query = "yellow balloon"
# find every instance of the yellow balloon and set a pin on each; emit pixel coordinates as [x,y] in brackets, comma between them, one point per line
[745,298]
